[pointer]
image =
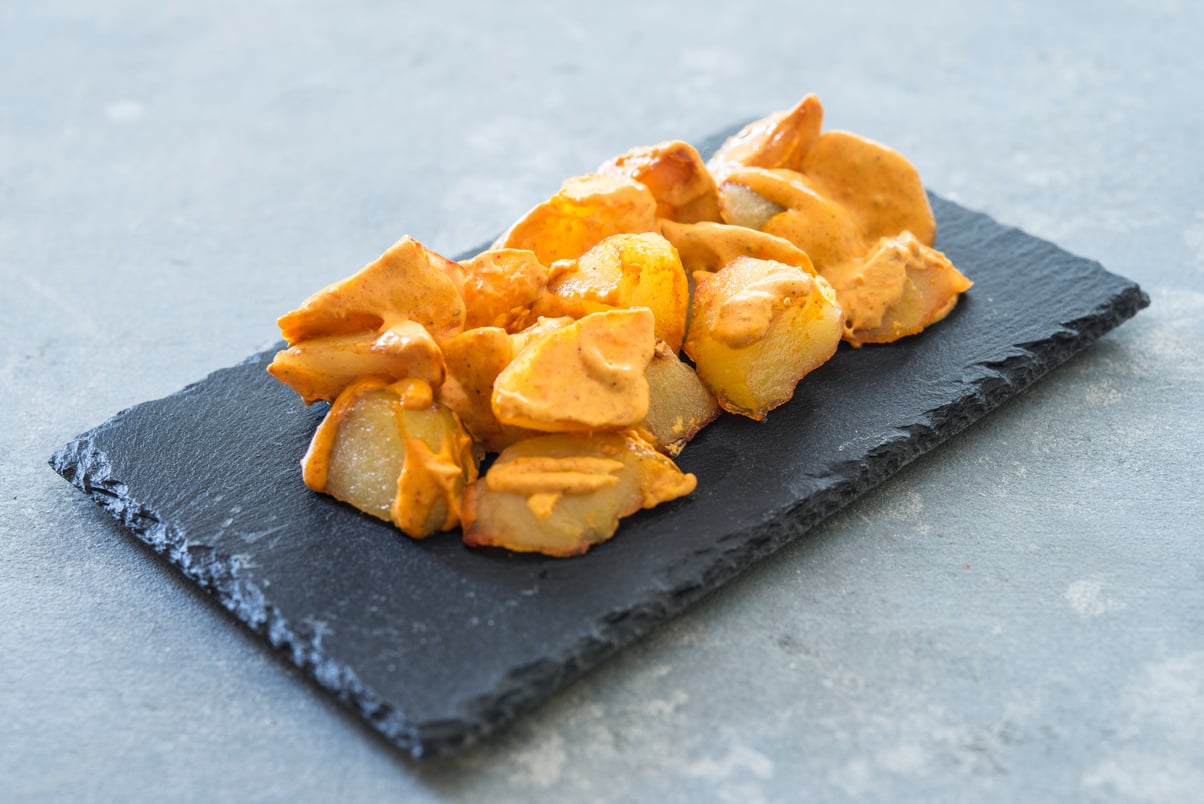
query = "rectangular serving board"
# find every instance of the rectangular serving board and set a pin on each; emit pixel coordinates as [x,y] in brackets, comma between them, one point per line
[436,645]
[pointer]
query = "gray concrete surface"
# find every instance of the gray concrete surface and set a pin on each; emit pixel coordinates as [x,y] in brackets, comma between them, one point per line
[1017,616]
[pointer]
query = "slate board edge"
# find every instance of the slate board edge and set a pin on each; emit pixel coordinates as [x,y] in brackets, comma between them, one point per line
[89,469]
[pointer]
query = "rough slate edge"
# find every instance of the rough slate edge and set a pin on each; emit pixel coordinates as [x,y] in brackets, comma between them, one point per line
[82,463]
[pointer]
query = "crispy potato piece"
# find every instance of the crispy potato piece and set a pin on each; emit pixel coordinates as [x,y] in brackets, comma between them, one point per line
[320,368]
[710,246]
[875,183]
[922,288]
[880,189]
[622,272]
[588,375]
[782,139]
[384,321]
[392,453]
[408,281]
[818,226]
[740,205]
[561,494]
[757,328]
[676,175]
[543,327]
[474,358]
[679,404]
[585,211]
[500,286]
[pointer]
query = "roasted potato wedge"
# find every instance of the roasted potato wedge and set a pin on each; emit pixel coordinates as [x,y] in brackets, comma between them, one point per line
[391,452]
[407,282]
[561,494]
[588,375]
[900,288]
[782,139]
[622,272]
[676,175]
[587,210]
[500,287]
[876,184]
[757,328]
[474,358]
[823,229]
[679,404]
[707,247]
[320,368]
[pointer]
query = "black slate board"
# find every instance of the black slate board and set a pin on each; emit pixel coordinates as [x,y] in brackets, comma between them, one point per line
[435,645]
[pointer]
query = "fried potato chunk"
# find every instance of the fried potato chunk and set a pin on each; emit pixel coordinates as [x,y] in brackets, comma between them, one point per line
[679,404]
[708,246]
[622,272]
[588,375]
[500,286]
[880,189]
[678,178]
[409,281]
[809,220]
[900,288]
[757,328]
[585,211]
[782,139]
[474,359]
[875,183]
[384,322]
[320,368]
[391,452]
[561,494]
[856,207]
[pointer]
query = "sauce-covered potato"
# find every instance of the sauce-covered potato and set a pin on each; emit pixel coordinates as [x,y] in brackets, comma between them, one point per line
[561,494]
[928,288]
[780,140]
[559,347]
[624,271]
[473,359]
[391,452]
[407,282]
[850,204]
[587,210]
[500,286]
[757,328]
[320,368]
[588,375]
[678,178]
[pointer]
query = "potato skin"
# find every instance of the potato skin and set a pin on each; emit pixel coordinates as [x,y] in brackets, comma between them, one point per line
[677,177]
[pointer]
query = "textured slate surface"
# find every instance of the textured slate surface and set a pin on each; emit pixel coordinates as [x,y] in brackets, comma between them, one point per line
[435,645]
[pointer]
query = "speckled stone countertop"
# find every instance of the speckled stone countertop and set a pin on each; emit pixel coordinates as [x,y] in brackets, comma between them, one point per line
[1019,615]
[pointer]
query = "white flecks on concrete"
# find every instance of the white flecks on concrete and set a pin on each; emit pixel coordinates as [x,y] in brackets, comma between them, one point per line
[659,707]
[739,758]
[1156,757]
[1144,776]
[1087,598]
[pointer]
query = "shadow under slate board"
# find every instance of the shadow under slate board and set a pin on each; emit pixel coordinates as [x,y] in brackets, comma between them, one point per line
[436,645]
